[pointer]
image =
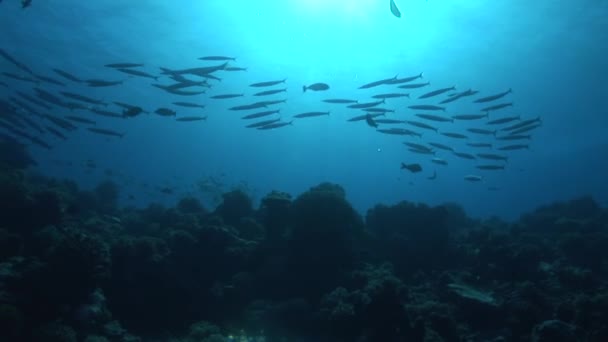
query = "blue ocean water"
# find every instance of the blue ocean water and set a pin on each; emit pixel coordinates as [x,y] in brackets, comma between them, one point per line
[550,53]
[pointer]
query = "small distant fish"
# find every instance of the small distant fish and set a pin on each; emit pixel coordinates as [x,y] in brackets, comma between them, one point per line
[217,58]
[427,107]
[56,133]
[415,150]
[186,93]
[377,83]
[395,10]
[522,124]
[249,106]
[492,156]
[67,75]
[270,92]
[137,73]
[276,125]
[504,120]
[364,117]
[342,101]
[191,118]
[473,178]
[49,80]
[260,114]
[132,112]
[310,114]
[189,104]
[20,77]
[490,167]
[439,161]
[83,98]
[3,84]
[123,65]
[106,113]
[226,96]
[454,135]
[436,92]
[456,96]
[235,69]
[399,131]
[414,85]
[488,145]
[493,97]
[441,146]
[316,87]
[434,118]
[105,132]
[397,80]
[390,96]
[418,147]
[378,110]
[365,105]
[515,137]
[389,121]
[263,123]
[102,83]
[525,129]
[464,155]
[514,147]
[421,125]
[268,83]
[80,120]
[413,168]
[165,112]
[497,107]
[470,116]
[482,131]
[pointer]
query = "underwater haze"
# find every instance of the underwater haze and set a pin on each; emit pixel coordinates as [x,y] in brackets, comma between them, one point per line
[551,54]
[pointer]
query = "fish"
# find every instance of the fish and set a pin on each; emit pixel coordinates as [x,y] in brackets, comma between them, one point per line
[217,58]
[40,143]
[525,129]
[48,97]
[390,96]
[67,75]
[503,120]
[15,62]
[469,116]
[31,99]
[124,105]
[3,84]
[492,156]
[464,155]
[432,117]
[61,123]
[316,87]
[226,96]
[82,98]
[473,178]
[413,168]
[492,97]
[399,131]
[454,135]
[270,103]
[123,65]
[188,104]
[389,121]
[441,146]
[488,145]
[497,107]
[513,147]
[20,77]
[365,105]
[26,3]
[369,119]
[261,114]
[165,112]
[106,113]
[418,146]
[426,107]
[49,80]
[249,106]
[270,92]
[56,133]
[262,123]
[365,116]
[202,71]
[137,73]
[191,118]
[378,110]
[515,137]
[276,125]
[106,132]
[268,83]
[456,96]
[439,161]
[490,167]
[421,125]
[482,131]
[397,80]
[436,92]
[80,120]
[414,85]
[310,114]
[132,112]
[186,93]
[414,150]
[377,83]
[342,101]
[102,83]
[181,84]
[235,69]
[522,124]
[394,9]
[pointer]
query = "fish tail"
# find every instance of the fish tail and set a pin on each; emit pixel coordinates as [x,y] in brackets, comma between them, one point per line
[421,75]
[303,89]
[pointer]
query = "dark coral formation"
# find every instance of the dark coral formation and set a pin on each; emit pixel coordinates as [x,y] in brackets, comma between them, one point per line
[74,266]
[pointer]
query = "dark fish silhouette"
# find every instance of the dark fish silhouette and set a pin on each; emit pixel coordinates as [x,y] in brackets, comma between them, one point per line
[316,87]
[395,10]
[413,168]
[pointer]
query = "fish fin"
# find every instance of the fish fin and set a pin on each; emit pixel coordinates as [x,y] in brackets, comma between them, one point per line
[303,89]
